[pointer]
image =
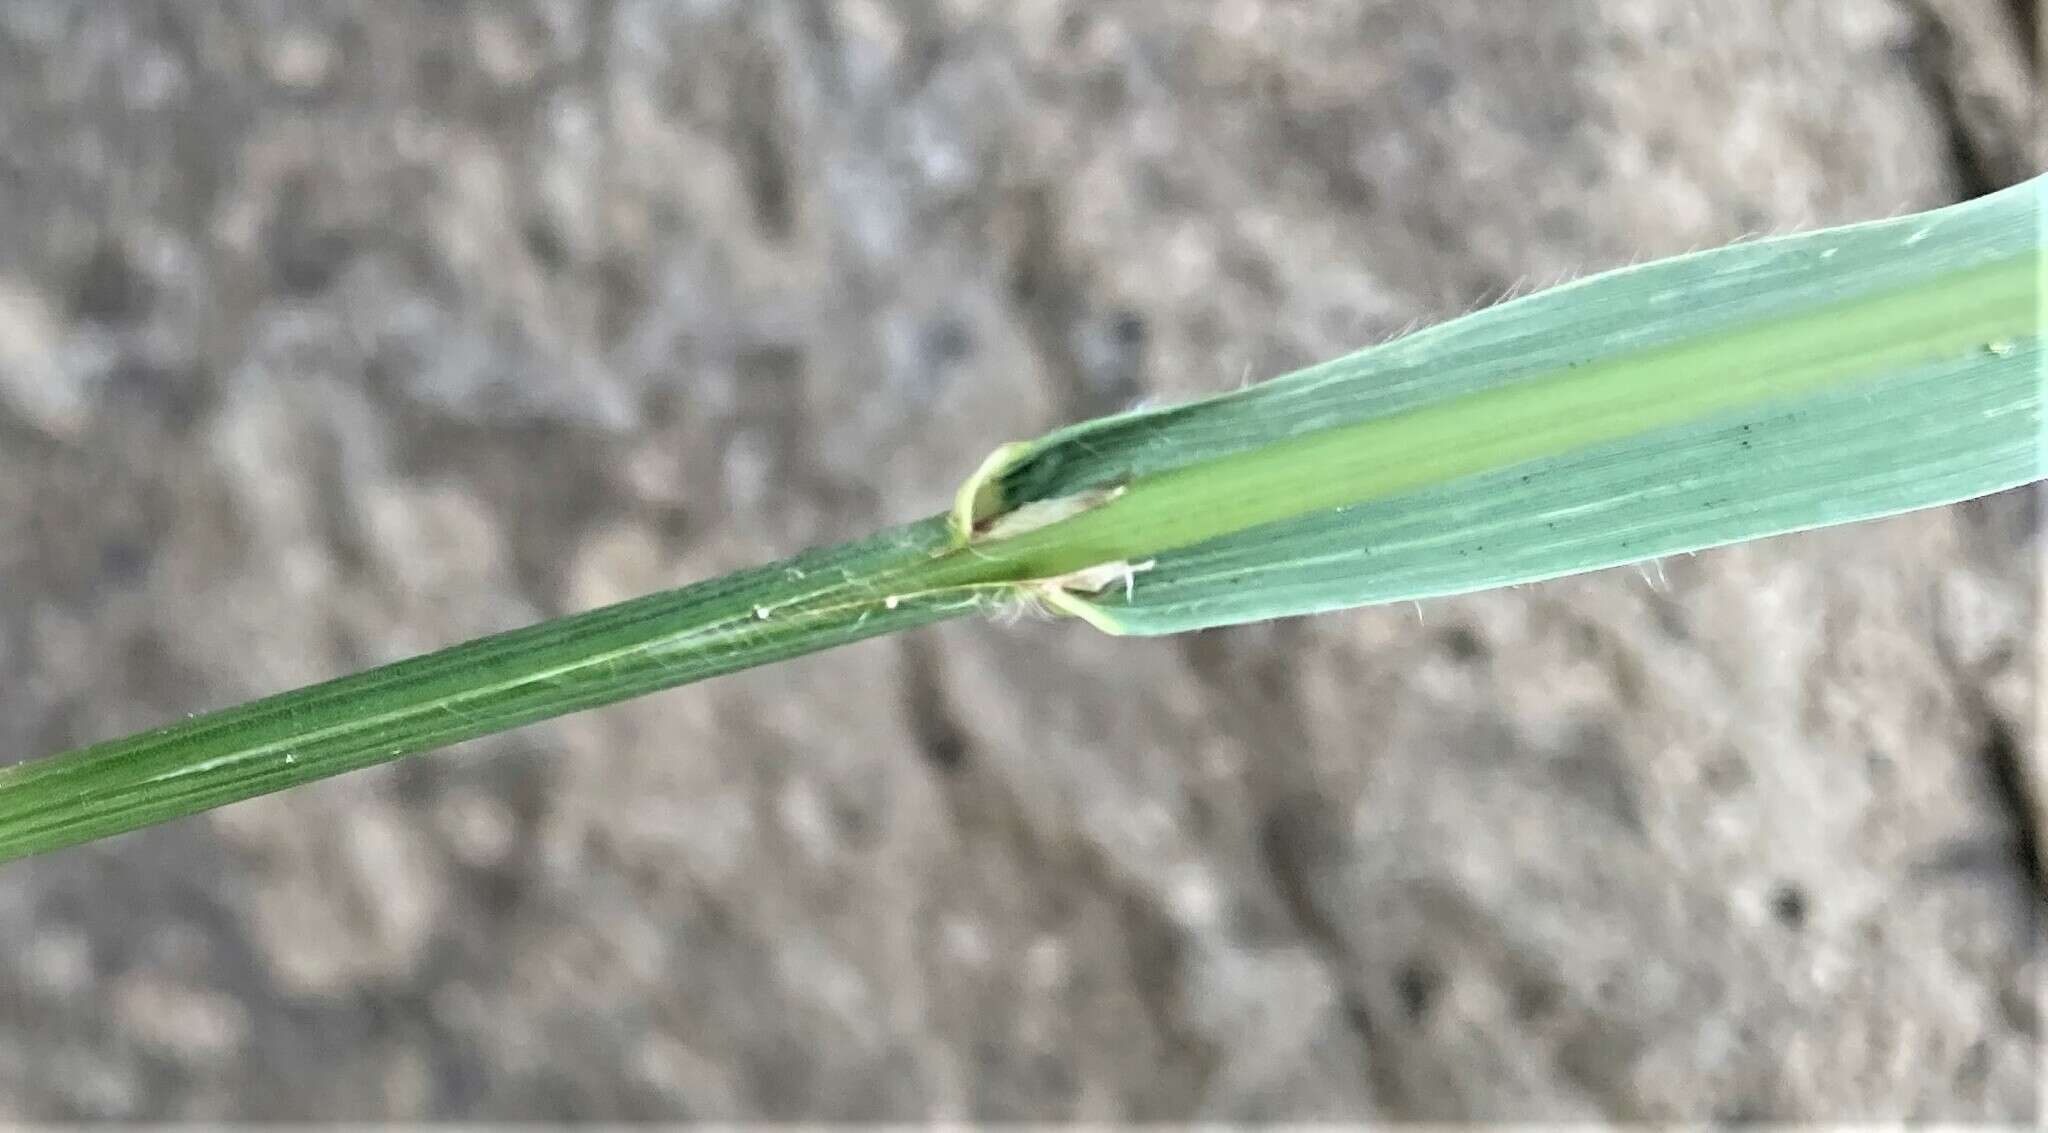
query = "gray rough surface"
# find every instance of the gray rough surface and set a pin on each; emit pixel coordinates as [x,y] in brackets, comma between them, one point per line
[332,332]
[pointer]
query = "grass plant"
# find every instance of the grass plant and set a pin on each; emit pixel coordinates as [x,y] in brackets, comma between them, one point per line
[1747,391]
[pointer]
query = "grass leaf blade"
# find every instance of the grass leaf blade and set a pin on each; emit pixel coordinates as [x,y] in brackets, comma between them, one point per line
[1747,391]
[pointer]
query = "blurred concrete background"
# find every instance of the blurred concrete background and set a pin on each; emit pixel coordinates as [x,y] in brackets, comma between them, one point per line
[332,332]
